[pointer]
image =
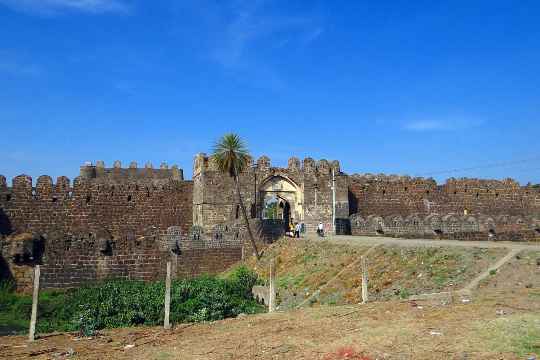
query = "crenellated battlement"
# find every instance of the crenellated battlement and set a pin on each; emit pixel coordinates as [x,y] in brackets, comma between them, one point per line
[203,163]
[133,172]
[451,183]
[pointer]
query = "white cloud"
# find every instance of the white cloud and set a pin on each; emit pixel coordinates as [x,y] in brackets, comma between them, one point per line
[441,125]
[427,125]
[52,7]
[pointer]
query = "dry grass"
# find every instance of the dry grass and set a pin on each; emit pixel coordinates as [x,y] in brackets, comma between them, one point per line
[394,272]
[384,330]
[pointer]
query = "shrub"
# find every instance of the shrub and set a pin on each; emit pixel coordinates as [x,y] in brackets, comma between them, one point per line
[119,303]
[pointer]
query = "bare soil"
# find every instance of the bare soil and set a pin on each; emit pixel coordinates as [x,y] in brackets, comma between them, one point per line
[494,325]
[521,271]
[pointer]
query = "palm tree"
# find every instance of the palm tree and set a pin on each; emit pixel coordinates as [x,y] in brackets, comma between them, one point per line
[232,157]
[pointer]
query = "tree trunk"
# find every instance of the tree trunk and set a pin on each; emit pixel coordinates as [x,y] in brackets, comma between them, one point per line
[244,213]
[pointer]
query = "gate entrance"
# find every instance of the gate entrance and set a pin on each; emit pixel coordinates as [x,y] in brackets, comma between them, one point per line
[281,201]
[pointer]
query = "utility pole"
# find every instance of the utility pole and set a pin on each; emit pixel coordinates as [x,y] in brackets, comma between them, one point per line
[333,201]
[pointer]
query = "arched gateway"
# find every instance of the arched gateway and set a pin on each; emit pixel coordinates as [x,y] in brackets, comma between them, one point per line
[304,192]
[281,199]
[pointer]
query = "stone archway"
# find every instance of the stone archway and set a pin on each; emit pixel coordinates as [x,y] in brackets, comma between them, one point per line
[285,196]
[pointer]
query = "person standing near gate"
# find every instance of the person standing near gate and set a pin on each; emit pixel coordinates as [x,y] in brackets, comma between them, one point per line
[297,229]
[320,229]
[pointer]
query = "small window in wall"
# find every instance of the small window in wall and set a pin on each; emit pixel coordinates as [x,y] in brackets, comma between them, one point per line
[54,199]
[88,198]
[237,212]
[129,198]
[8,197]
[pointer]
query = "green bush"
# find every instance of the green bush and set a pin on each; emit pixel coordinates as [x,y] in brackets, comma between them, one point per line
[129,303]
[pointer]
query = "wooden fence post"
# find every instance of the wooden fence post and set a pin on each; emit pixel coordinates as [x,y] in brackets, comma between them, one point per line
[166,323]
[35,297]
[272,288]
[364,280]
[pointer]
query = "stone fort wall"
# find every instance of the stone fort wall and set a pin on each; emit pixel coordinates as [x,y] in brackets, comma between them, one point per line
[128,222]
[110,223]
[460,208]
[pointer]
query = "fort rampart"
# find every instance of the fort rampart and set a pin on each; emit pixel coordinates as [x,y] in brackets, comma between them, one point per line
[128,222]
[471,209]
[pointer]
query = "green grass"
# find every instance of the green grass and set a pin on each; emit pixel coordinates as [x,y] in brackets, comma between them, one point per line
[129,303]
[404,293]
[519,334]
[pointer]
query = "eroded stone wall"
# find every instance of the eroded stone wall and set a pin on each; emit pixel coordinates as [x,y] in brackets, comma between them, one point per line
[471,209]
[117,204]
[110,223]
[400,195]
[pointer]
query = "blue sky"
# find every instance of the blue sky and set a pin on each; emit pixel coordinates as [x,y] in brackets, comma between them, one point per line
[405,87]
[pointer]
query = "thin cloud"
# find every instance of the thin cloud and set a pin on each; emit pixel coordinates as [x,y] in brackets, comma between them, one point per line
[251,28]
[313,35]
[440,125]
[53,7]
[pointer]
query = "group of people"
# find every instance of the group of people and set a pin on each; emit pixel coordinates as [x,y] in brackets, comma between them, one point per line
[296,228]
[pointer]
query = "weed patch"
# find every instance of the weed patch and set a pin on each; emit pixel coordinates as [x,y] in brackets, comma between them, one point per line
[130,303]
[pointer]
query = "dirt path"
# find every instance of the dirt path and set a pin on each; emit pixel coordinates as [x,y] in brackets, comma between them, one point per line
[376,240]
[474,284]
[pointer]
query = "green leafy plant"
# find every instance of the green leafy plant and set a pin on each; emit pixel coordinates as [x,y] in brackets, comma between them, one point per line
[129,303]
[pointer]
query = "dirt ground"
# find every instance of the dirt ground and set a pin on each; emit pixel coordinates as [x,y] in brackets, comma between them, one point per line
[521,271]
[500,320]
[492,325]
